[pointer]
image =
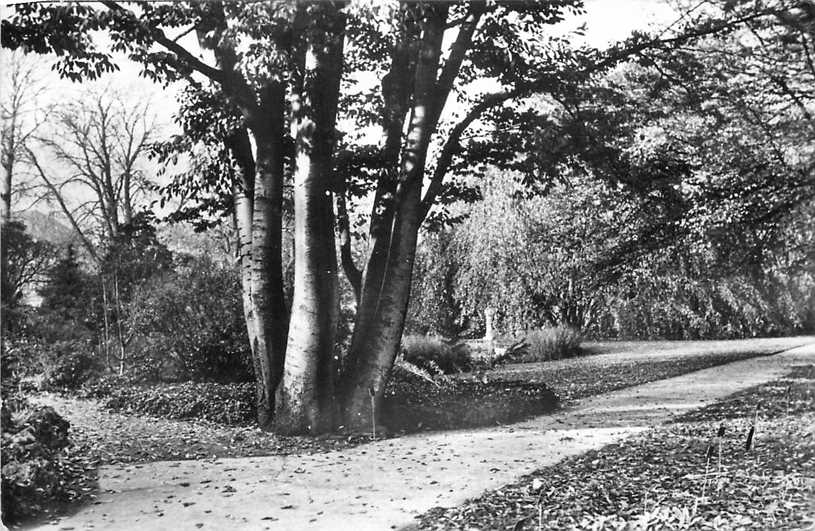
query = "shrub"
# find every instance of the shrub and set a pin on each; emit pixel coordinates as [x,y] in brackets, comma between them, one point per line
[545,344]
[36,467]
[189,324]
[436,355]
[231,404]
[68,366]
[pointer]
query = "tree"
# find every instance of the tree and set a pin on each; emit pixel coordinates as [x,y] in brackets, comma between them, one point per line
[297,66]
[100,145]
[26,261]
[67,287]
[713,162]
[100,185]
[19,123]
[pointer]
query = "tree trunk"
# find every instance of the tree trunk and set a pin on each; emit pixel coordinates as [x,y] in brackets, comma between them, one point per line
[379,325]
[242,195]
[119,334]
[5,217]
[376,341]
[106,321]
[269,314]
[305,399]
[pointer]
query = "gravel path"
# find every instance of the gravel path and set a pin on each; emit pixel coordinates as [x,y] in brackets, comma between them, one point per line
[385,484]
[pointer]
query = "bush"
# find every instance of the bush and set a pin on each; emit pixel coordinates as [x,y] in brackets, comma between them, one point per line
[36,468]
[69,367]
[436,355]
[545,344]
[189,324]
[231,404]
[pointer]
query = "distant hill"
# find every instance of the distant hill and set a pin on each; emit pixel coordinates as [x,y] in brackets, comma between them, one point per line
[49,227]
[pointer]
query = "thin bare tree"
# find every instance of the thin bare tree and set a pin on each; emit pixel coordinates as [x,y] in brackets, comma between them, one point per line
[20,118]
[96,177]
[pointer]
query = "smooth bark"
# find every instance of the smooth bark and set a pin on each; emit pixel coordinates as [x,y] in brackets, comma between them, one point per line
[269,313]
[305,399]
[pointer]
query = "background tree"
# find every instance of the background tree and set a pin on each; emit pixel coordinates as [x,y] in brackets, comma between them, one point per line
[20,121]
[27,260]
[99,181]
[710,162]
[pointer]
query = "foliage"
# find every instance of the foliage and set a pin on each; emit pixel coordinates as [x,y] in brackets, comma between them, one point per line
[433,308]
[188,324]
[70,300]
[678,205]
[547,344]
[69,364]
[36,467]
[436,354]
[230,404]
[135,254]
[62,363]
[603,260]
[662,478]
[414,404]
[27,260]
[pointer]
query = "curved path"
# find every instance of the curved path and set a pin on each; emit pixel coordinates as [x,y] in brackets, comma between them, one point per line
[383,485]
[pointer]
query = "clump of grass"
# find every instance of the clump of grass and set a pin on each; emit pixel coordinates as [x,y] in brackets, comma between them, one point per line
[436,355]
[546,344]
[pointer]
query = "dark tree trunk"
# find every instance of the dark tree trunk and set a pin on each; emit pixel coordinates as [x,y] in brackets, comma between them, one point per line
[386,287]
[269,314]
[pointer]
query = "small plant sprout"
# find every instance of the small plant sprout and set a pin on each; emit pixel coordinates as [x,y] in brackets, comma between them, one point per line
[707,470]
[719,471]
[372,393]
[537,487]
[752,432]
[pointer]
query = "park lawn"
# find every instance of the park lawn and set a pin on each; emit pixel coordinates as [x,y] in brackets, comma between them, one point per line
[663,478]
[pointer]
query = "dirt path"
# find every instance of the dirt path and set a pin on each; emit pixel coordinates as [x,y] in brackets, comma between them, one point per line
[384,485]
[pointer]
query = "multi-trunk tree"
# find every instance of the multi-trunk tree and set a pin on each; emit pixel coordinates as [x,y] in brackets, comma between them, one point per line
[276,80]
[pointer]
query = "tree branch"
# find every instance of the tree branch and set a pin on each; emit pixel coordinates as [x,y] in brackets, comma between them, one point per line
[549,83]
[68,214]
[180,52]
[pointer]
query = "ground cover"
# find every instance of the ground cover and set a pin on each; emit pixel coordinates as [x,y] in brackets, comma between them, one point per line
[696,472]
[110,436]
[102,436]
[593,375]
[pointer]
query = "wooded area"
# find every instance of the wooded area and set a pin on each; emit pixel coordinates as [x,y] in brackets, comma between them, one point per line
[661,187]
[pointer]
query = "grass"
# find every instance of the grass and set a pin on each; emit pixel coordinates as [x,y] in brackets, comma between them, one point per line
[436,355]
[549,344]
[668,477]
